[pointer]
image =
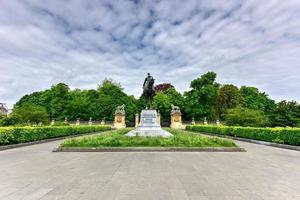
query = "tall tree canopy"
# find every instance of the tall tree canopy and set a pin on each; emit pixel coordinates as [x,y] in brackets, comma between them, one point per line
[286,113]
[201,98]
[30,113]
[60,102]
[228,97]
[206,98]
[111,95]
[163,100]
[254,99]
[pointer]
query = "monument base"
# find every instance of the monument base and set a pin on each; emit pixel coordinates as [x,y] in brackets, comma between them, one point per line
[177,125]
[148,126]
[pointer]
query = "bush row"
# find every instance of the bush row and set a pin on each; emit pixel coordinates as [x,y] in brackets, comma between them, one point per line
[279,135]
[15,135]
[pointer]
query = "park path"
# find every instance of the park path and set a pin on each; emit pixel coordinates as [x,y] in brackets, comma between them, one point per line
[35,172]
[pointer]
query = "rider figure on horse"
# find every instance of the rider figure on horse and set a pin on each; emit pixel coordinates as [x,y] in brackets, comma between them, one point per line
[148,89]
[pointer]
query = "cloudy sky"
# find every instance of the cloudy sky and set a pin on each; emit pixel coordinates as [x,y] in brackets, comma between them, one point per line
[80,42]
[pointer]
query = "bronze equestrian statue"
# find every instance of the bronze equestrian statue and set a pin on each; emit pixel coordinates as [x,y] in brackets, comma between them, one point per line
[148,90]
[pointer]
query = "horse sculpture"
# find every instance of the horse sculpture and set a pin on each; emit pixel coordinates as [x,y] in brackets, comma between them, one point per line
[148,90]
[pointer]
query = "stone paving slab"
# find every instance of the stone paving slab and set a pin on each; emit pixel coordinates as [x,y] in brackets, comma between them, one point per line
[35,172]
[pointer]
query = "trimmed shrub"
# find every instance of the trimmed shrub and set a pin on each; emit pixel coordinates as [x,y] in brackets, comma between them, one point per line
[15,135]
[278,135]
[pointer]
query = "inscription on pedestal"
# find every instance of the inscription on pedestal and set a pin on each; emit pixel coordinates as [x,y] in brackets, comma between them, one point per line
[148,118]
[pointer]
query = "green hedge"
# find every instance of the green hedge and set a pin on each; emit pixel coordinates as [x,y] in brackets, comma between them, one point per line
[279,135]
[15,135]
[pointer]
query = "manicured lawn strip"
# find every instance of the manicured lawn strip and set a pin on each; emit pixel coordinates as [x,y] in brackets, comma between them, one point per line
[289,136]
[16,135]
[118,138]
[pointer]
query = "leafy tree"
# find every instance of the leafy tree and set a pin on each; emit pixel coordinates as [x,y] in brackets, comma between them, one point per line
[111,95]
[61,102]
[34,98]
[256,100]
[204,99]
[131,108]
[175,97]
[245,117]
[30,113]
[141,103]
[92,104]
[2,116]
[7,120]
[228,97]
[78,105]
[163,87]
[286,113]
[200,100]
[3,119]
[59,98]
[161,102]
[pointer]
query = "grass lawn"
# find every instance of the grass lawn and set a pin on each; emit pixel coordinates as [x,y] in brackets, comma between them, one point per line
[117,138]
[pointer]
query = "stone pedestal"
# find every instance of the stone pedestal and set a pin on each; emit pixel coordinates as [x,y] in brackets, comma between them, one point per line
[148,126]
[205,121]
[119,121]
[193,121]
[176,121]
[77,122]
[137,120]
[158,119]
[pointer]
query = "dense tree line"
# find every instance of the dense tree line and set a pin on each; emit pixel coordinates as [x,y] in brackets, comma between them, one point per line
[245,106]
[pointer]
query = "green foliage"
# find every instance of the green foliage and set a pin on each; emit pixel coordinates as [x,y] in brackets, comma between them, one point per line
[2,116]
[119,139]
[60,102]
[141,103]
[205,99]
[175,97]
[200,99]
[162,101]
[245,117]
[7,120]
[279,135]
[59,98]
[111,95]
[15,135]
[286,113]
[253,99]
[228,97]
[30,113]
[78,104]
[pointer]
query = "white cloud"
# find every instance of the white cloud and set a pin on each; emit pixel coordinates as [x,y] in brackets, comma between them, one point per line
[81,42]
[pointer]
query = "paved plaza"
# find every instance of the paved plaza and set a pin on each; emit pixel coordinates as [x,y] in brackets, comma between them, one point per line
[35,172]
